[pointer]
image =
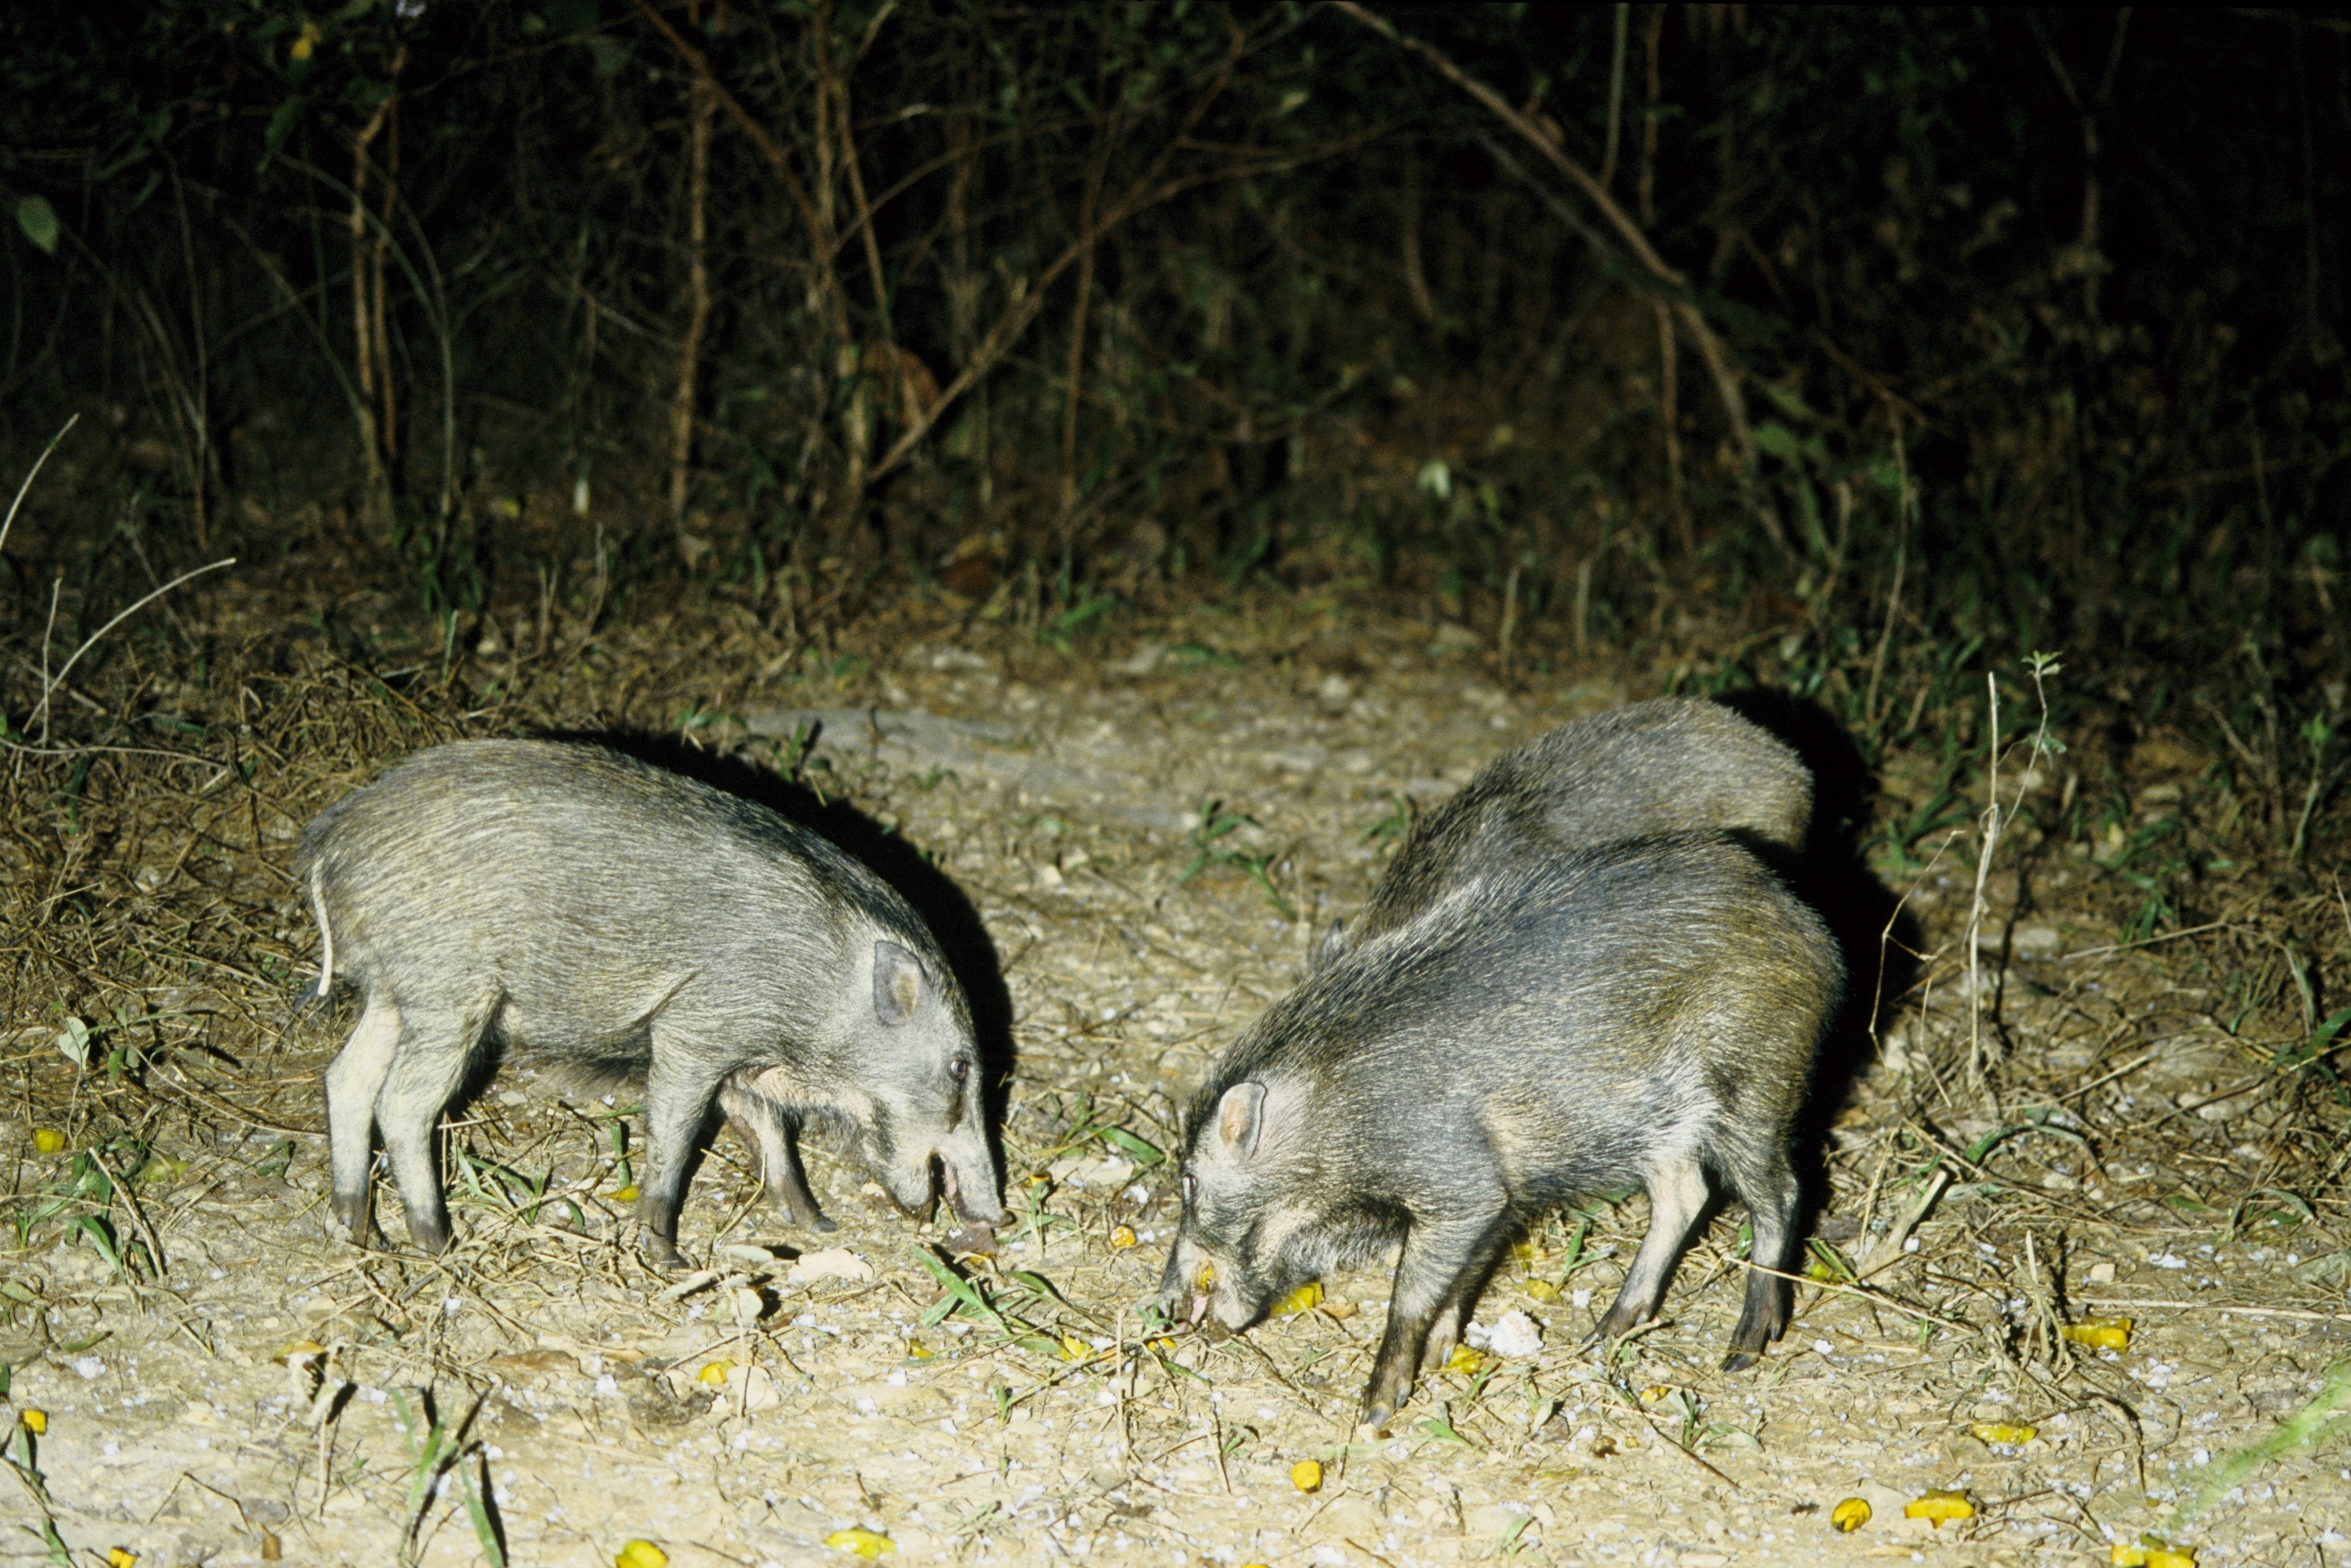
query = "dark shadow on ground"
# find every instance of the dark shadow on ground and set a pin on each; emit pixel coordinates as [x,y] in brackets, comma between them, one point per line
[1877,937]
[934,895]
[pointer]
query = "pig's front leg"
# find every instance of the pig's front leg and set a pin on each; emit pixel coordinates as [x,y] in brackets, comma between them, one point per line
[679,1089]
[1441,1268]
[771,1136]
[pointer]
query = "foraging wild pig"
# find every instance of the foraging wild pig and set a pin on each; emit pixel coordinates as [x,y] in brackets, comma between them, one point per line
[1660,767]
[1643,1012]
[571,907]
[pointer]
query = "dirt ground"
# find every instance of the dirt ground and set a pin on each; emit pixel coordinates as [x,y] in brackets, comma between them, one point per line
[244,1386]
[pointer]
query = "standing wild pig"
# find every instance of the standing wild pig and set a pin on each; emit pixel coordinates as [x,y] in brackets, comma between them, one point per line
[1645,1011]
[570,906]
[1659,767]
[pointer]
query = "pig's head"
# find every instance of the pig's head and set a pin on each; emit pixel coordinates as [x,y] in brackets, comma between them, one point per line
[920,1092]
[1249,1235]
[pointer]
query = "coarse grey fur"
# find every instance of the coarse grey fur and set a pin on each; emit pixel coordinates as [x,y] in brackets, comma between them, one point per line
[569,906]
[1664,766]
[1645,1012]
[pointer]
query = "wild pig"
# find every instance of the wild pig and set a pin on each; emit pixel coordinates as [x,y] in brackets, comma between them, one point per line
[1665,765]
[571,907]
[1645,1011]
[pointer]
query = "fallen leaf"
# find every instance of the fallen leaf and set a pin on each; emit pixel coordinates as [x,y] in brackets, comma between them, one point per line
[2000,1432]
[2101,1334]
[1304,1299]
[1938,1504]
[831,1264]
[867,1544]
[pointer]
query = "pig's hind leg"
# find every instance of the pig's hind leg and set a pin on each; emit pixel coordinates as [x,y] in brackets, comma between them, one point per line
[1440,1273]
[428,1066]
[1677,1195]
[774,1139]
[1767,1186]
[354,1079]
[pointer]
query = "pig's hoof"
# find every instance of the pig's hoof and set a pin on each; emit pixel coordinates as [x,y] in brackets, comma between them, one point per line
[664,1256]
[1740,1360]
[823,1226]
[976,1238]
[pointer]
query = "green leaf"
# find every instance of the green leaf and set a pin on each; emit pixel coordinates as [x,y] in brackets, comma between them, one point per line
[1134,1148]
[282,121]
[39,222]
[1777,439]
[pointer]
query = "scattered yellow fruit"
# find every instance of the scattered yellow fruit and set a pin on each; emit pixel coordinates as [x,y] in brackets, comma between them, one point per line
[1524,1251]
[1121,1237]
[917,1351]
[1938,1504]
[35,1421]
[1654,1392]
[640,1554]
[1304,1299]
[1205,1279]
[1306,1475]
[1850,1515]
[49,1140]
[300,1350]
[1164,1345]
[867,1544]
[714,1374]
[2000,1432]
[626,1195]
[116,1557]
[1074,1349]
[1543,1290]
[2124,1555]
[2101,1334]
[1466,1360]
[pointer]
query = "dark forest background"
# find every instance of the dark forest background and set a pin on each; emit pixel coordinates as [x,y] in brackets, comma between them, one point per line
[1950,333]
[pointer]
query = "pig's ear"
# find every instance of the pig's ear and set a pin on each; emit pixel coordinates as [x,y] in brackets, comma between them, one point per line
[897,983]
[1240,1117]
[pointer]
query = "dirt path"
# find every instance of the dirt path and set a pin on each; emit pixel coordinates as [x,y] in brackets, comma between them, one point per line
[265,1397]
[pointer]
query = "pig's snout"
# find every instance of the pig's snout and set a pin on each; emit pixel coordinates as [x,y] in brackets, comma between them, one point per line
[975,1205]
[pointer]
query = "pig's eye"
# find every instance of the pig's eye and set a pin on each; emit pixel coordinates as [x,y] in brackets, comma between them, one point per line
[959,1069]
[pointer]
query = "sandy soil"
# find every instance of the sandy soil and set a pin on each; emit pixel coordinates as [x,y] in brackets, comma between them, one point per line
[271,1393]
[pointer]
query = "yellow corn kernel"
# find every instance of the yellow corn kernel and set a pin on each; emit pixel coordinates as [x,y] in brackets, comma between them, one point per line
[867,1544]
[2101,1334]
[116,1557]
[1304,1299]
[37,1422]
[1938,1504]
[1121,1237]
[626,1195]
[1466,1360]
[1543,1290]
[714,1374]
[49,1140]
[1850,1515]
[1306,1475]
[2000,1432]
[640,1554]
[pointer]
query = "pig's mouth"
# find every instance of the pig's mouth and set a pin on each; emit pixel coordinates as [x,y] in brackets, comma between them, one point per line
[970,1212]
